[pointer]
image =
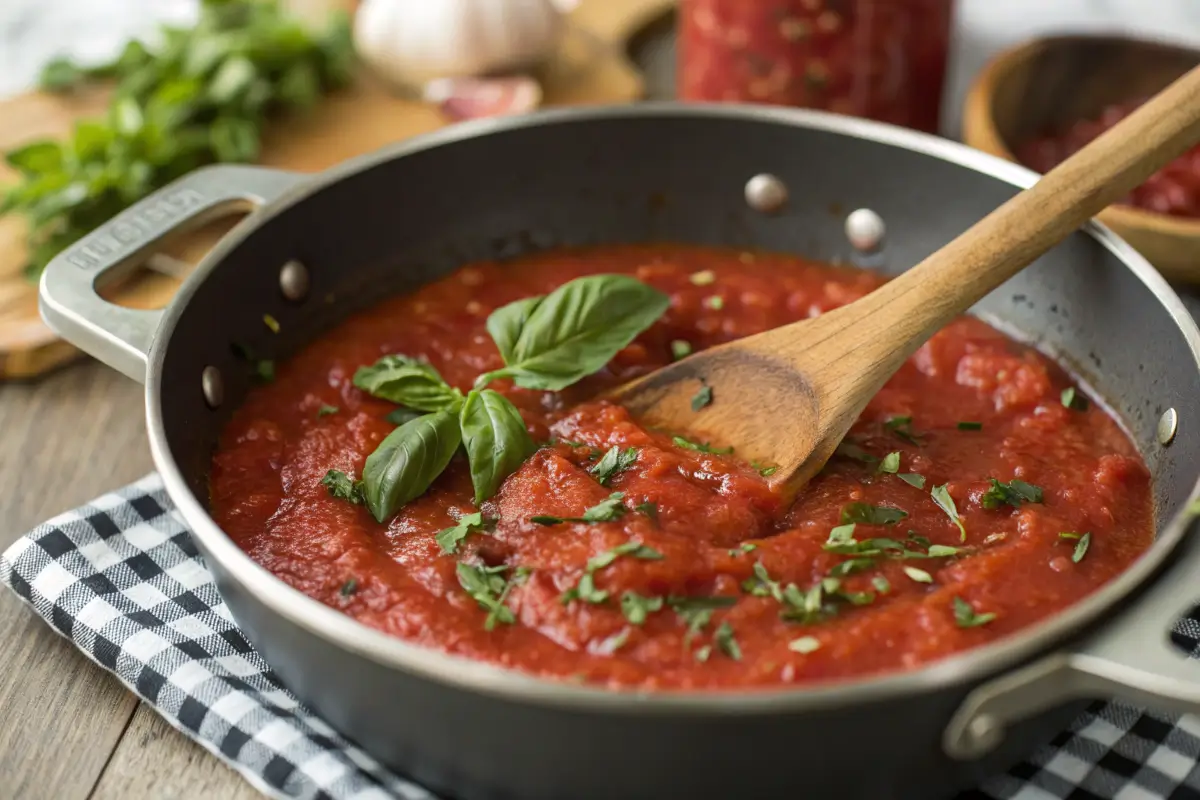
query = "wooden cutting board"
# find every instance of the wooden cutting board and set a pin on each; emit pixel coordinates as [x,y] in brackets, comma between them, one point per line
[590,67]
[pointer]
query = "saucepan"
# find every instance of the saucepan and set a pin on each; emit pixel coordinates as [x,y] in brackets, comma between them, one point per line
[318,248]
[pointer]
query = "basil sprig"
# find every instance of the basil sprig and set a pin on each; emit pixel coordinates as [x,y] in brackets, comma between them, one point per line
[495,439]
[407,462]
[551,342]
[408,382]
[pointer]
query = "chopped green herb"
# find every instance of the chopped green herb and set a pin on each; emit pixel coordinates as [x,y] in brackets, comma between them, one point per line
[702,397]
[918,539]
[703,653]
[271,323]
[615,461]
[890,463]
[700,447]
[945,502]
[881,584]
[343,487]
[748,547]
[648,509]
[851,566]
[636,607]
[805,645]
[942,551]
[841,535]
[851,450]
[902,427]
[605,511]
[716,302]
[918,575]
[764,471]
[349,587]
[704,277]
[912,479]
[449,538]
[761,584]
[615,642]
[326,409]
[726,642]
[857,598]
[1068,535]
[1081,546]
[970,426]
[1013,493]
[490,589]
[965,616]
[1073,399]
[871,515]
[680,349]
[585,589]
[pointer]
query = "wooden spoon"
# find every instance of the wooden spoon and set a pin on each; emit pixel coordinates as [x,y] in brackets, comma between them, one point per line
[788,396]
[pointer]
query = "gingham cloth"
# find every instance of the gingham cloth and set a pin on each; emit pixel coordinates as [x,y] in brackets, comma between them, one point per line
[121,579]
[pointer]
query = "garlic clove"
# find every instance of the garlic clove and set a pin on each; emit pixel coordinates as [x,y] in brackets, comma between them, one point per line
[476,98]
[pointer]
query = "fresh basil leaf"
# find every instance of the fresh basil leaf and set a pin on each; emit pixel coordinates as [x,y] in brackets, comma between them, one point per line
[575,330]
[232,80]
[871,515]
[234,140]
[343,487]
[637,608]
[1014,493]
[506,323]
[606,510]
[912,479]
[649,510]
[449,538]
[408,461]
[408,382]
[941,496]
[890,463]
[36,157]
[614,461]
[495,438]
[965,616]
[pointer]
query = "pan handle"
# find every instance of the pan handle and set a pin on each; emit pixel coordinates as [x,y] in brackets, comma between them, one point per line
[1129,658]
[122,337]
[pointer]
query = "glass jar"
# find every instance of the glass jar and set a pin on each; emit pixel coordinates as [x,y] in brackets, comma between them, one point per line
[881,59]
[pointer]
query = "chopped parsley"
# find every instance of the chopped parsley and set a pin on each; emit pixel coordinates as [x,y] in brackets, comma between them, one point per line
[606,510]
[648,509]
[271,323]
[680,349]
[1081,545]
[965,616]
[945,502]
[890,463]
[702,397]
[943,551]
[761,584]
[325,410]
[881,584]
[586,590]
[490,589]
[615,461]
[902,428]
[748,547]
[449,538]
[716,302]
[1073,399]
[763,470]
[700,447]
[726,642]
[852,566]
[912,479]
[918,575]
[704,277]
[349,587]
[970,426]
[343,487]
[636,608]
[871,515]
[805,645]
[1014,493]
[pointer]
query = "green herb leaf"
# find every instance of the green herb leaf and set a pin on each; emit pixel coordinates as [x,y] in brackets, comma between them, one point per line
[349,587]
[326,410]
[881,584]
[912,479]
[495,439]
[702,397]
[1081,547]
[700,447]
[945,502]
[764,471]
[614,461]
[343,487]
[965,616]
[490,590]
[851,566]
[1014,493]
[59,74]
[970,426]
[716,302]
[636,608]
[573,331]
[1074,399]
[648,509]
[636,549]
[449,538]
[868,514]
[841,535]
[606,510]
[890,463]
[409,383]
[902,428]
[942,551]
[805,645]
[726,642]
[408,461]
[680,349]
[851,450]
[918,575]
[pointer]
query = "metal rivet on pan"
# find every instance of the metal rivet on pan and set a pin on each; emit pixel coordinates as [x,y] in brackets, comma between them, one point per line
[865,230]
[984,733]
[1168,423]
[293,281]
[766,193]
[213,387]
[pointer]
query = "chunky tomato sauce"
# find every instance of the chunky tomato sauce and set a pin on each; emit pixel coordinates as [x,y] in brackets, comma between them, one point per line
[715,518]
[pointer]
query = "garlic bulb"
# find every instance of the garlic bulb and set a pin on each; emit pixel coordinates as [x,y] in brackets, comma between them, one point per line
[414,41]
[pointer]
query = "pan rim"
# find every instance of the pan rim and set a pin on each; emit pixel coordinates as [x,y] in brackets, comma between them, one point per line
[501,683]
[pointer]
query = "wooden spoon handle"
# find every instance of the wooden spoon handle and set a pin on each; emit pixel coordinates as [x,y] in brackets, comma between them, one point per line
[893,321]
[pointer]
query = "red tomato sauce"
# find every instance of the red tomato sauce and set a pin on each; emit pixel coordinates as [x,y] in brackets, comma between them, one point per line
[716,516]
[880,59]
[1173,190]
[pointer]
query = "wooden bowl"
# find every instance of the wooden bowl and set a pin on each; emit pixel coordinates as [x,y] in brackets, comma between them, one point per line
[1048,83]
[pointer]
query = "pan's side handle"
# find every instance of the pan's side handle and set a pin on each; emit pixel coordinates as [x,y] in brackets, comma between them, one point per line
[121,337]
[1129,658]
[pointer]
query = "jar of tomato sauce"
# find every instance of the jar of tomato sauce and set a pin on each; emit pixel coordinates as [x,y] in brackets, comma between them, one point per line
[881,59]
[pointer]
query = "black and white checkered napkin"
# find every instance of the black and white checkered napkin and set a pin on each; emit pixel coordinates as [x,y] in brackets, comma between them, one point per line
[121,579]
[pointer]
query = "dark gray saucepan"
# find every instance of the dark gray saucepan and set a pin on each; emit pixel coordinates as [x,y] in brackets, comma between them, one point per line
[322,247]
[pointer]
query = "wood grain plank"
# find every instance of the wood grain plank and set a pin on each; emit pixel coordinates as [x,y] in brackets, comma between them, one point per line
[155,760]
[65,440]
